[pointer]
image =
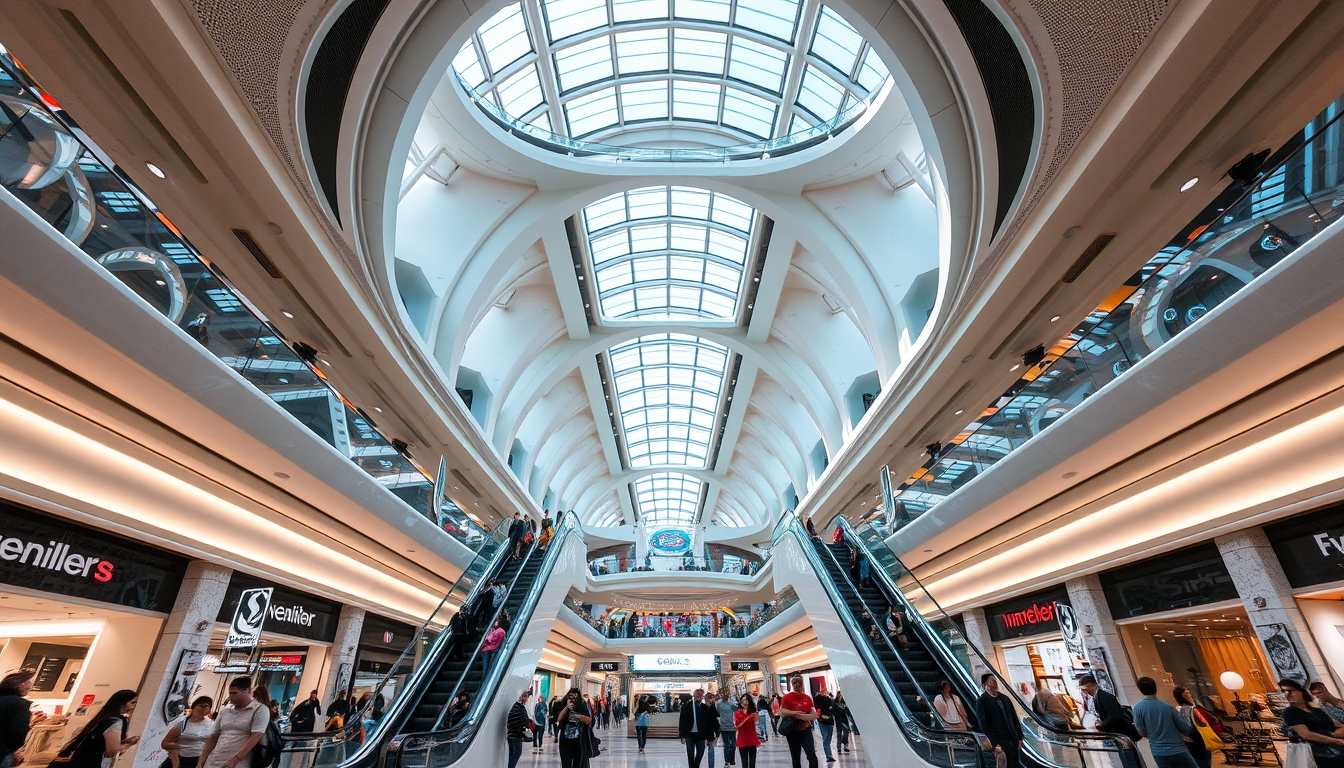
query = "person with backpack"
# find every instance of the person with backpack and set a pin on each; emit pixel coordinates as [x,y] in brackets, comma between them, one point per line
[239,727]
[186,738]
[540,714]
[104,736]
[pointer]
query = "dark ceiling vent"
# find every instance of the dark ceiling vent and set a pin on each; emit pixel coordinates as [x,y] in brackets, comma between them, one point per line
[1011,102]
[329,82]
[245,238]
[1088,255]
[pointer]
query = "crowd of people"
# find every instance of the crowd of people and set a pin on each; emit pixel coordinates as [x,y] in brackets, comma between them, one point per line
[605,566]
[643,624]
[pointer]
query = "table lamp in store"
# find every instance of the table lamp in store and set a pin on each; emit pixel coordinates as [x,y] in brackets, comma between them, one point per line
[1234,683]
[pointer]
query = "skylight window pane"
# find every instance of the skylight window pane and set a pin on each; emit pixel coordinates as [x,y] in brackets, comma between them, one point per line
[608,247]
[641,51]
[505,38]
[836,42]
[684,297]
[570,17]
[798,123]
[690,203]
[648,202]
[687,268]
[583,63]
[644,101]
[593,112]
[819,94]
[467,64]
[722,276]
[638,10]
[605,212]
[777,18]
[521,93]
[617,276]
[727,246]
[748,112]
[719,305]
[695,50]
[648,238]
[733,213]
[873,73]
[695,101]
[704,10]
[542,120]
[758,64]
[619,305]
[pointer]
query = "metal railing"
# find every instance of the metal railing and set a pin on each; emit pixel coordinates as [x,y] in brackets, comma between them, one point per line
[944,639]
[945,748]
[626,626]
[1238,238]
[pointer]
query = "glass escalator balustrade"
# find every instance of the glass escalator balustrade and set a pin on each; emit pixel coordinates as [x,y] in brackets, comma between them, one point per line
[898,684]
[961,663]
[1240,237]
[49,166]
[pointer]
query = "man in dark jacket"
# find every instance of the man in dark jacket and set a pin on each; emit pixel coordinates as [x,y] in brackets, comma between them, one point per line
[516,727]
[1110,716]
[517,530]
[14,714]
[303,718]
[698,727]
[998,719]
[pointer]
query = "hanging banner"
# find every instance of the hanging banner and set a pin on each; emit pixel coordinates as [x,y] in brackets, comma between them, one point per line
[184,683]
[245,629]
[1073,635]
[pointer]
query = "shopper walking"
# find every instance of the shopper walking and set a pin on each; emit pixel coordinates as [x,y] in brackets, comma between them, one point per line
[1198,749]
[643,709]
[697,727]
[575,723]
[240,726]
[104,737]
[746,718]
[843,721]
[799,707]
[1305,723]
[727,709]
[186,738]
[1163,726]
[950,708]
[825,720]
[775,702]
[540,714]
[763,721]
[303,718]
[15,715]
[516,727]
[998,720]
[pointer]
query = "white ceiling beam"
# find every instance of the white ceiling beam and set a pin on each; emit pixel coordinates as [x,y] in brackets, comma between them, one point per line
[597,400]
[737,411]
[556,243]
[778,256]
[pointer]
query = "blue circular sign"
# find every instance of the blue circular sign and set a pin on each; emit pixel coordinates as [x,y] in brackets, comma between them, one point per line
[669,541]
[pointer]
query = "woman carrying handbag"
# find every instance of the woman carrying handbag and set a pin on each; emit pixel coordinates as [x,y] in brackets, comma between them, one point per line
[102,740]
[1314,738]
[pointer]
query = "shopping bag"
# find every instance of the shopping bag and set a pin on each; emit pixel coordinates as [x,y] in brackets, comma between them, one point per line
[1299,756]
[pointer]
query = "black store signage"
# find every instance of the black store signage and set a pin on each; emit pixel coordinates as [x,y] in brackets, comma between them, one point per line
[604,666]
[1185,578]
[48,554]
[291,612]
[384,633]
[1032,614]
[1310,546]
[744,666]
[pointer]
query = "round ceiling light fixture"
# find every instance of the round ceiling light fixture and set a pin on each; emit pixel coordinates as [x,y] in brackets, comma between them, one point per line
[156,170]
[1192,182]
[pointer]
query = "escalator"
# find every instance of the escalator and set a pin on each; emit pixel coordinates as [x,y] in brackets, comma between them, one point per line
[939,651]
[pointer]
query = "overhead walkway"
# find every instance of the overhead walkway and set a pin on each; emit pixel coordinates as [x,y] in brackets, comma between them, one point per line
[907,678]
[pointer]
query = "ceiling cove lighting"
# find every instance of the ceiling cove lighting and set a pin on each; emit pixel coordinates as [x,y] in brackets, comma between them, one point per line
[744,69]
[668,253]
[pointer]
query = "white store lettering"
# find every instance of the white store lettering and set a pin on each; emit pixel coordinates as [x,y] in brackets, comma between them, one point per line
[294,614]
[1324,541]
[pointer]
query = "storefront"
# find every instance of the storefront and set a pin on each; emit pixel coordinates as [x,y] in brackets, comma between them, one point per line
[83,609]
[1031,649]
[382,642]
[1311,549]
[1182,623]
[291,656]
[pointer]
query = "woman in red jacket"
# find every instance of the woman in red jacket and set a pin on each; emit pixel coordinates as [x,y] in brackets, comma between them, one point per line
[744,719]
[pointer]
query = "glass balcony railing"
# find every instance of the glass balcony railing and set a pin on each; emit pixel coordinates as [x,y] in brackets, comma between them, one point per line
[52,168]
[607,563]
[757,150]
[737,622]
[1236,240]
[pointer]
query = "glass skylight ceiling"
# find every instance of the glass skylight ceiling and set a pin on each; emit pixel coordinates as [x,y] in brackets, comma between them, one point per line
[747,69]
[668,498]
[670,253]
[667,392]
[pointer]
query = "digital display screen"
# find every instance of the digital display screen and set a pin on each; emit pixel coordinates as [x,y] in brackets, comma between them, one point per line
[674,662]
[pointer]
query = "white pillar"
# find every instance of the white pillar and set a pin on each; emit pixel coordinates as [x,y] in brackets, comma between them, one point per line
[187,628]
[1100,633]
[977,634]
[343,650]
[1290,649]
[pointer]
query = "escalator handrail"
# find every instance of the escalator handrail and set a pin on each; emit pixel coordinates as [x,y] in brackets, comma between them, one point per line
[908,722]
[312,742]
[1057,736]
[475,654]
[465,730]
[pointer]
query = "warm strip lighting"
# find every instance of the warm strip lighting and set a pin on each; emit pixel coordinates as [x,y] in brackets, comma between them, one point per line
[49,455]
[55,628]
[1237,481]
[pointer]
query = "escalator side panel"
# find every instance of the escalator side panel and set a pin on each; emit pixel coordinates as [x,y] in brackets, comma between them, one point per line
[881,733]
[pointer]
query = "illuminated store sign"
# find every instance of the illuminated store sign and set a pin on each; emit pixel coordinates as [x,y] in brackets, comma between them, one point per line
[669,662]
[1310,546]
[1033,614]
[288,611]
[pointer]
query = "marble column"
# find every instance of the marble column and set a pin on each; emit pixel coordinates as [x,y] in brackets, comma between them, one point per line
[977,634]
[1100,634]
[187,628]
[1259,578]
[341,662]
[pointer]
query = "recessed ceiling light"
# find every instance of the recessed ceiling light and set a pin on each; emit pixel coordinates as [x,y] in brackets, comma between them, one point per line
[328,364]
[1068,475]
[159,282]
[156,170]
[1010,370]
[1054,319]
[287,313]
[959,411]
[282,475]
[376,408]
[1192,182]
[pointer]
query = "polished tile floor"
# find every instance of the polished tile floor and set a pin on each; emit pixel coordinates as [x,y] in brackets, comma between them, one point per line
[621,752]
